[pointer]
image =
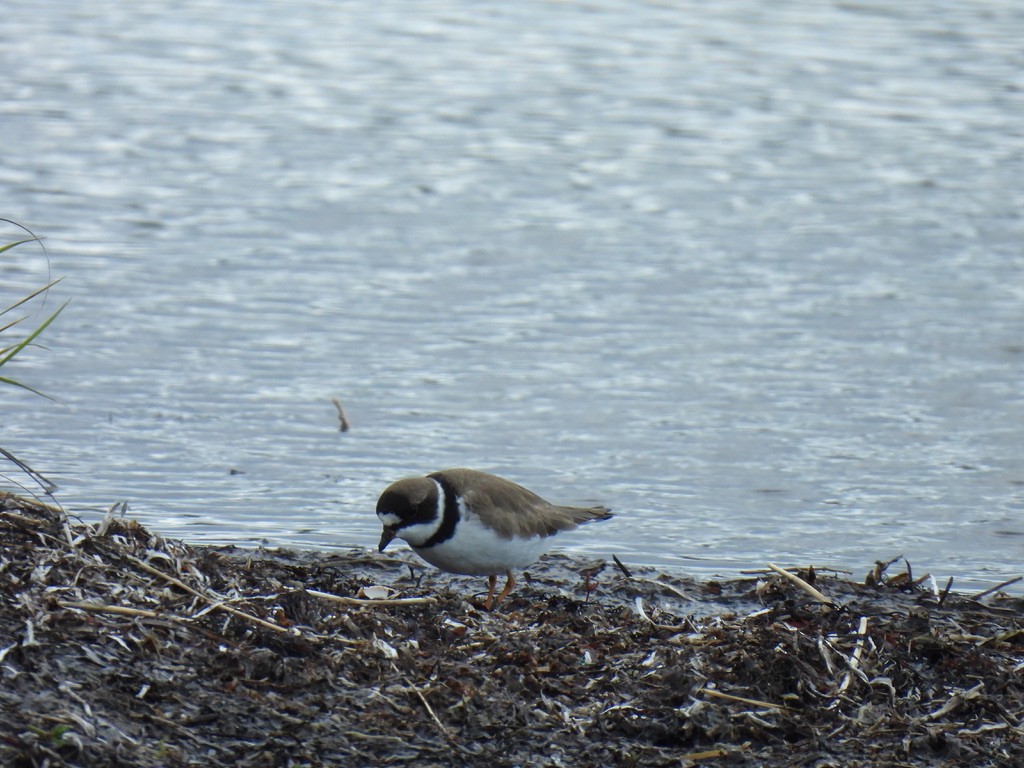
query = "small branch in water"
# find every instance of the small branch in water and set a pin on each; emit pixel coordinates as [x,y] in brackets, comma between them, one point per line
[341,415]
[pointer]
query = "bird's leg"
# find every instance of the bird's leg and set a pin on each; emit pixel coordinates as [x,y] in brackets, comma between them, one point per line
[509,584]
[492,582]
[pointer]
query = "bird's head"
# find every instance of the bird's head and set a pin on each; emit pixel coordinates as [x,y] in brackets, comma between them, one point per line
[409,510]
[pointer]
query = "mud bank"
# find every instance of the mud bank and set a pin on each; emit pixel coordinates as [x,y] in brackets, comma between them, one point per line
[121,648]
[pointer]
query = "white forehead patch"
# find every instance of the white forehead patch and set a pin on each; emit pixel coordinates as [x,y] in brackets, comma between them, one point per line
[389,518]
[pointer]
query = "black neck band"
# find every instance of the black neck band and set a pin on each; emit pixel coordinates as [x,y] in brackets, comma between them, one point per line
[451,514]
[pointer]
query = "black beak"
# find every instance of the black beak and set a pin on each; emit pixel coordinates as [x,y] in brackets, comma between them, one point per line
[386,536]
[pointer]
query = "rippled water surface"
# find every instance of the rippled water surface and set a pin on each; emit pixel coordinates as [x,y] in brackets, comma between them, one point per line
[749,273]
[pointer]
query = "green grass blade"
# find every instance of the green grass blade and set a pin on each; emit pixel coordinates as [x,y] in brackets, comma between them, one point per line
[8,246]
[10,325]
[31,296]
[15,383]
[18,347]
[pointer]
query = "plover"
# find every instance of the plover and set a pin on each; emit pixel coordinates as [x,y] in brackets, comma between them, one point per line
[473,523]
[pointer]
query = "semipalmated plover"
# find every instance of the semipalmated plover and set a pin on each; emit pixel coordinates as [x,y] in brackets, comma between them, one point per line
[469,522]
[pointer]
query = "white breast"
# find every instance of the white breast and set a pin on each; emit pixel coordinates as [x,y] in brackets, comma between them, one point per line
[476,550]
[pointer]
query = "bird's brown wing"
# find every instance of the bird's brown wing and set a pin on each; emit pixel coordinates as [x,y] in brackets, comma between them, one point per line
[512,510]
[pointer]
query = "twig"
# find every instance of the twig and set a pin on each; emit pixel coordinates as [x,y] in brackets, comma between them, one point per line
[31,522]
[997,587]
[430,711]
[803,585]
[664,584]
[119,508]
[741,699]
[396,740]
[47,485]
[372,601]
[621,567]
[433,716]
[874,577]
[341,415]
[824,651]
[215,603]
[121,610]
[955,701]
[945,592]
[811,567]
[858,651]
[638,605]
[708,753]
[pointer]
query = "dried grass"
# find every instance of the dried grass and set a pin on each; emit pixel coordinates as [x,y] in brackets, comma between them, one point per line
[118,647]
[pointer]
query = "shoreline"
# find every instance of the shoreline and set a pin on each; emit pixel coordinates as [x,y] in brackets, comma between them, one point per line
[124,648]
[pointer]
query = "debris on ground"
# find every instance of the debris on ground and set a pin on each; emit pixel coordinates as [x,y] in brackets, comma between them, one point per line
[122,648]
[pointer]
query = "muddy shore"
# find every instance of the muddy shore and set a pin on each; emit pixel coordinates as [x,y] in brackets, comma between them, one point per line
[121,648]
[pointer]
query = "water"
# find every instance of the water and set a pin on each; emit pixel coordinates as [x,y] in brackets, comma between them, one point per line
[748,273]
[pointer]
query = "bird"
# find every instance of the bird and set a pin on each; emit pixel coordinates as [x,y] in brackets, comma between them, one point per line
[476,524]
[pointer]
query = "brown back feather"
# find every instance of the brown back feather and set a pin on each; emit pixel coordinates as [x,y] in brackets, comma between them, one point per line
[512,510]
